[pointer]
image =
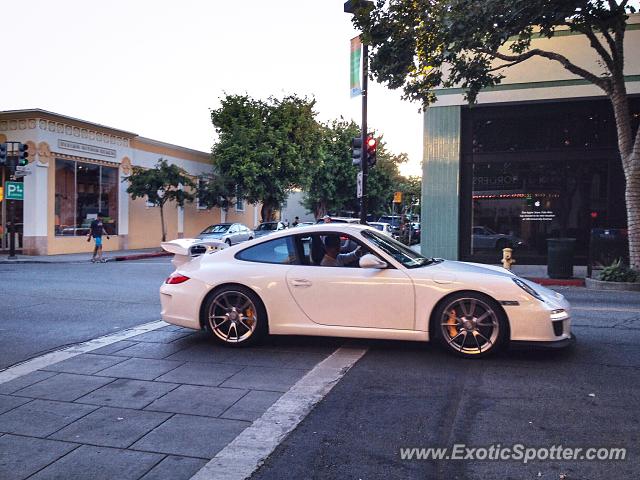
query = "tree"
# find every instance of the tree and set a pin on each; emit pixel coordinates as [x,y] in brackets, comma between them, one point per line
[159,185]
[384,179]
[217,191]
[418,45]
[266,147]
[331,184]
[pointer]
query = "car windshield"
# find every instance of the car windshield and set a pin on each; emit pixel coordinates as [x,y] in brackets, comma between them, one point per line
[216,229]
[267,226]
[397,250]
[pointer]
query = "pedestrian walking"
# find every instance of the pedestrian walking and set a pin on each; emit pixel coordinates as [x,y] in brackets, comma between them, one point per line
[96,230]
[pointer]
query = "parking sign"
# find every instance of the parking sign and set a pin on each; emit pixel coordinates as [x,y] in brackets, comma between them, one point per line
[14,190]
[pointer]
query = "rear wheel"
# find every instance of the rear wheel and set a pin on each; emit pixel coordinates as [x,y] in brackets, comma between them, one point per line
[235,316]
[470,324]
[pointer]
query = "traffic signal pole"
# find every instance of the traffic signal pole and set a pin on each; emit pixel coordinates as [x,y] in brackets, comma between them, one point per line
[364,164]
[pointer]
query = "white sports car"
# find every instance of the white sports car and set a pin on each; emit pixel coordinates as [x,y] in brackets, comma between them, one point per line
[277,285]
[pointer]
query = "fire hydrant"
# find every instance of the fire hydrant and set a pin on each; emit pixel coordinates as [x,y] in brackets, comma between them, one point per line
[507,259]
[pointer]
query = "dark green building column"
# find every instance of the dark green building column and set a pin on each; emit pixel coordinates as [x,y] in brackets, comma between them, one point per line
[441,182]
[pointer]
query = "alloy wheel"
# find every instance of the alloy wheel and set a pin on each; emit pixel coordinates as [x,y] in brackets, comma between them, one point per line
[470,326]
[232,317]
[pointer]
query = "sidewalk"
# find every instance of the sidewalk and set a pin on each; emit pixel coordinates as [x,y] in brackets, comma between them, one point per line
[160,404]
[116,255]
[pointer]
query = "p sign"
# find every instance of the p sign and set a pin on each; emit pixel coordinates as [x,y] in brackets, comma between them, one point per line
[14,190]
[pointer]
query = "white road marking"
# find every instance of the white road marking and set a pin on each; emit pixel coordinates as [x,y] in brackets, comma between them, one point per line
[47,359]
[240,458]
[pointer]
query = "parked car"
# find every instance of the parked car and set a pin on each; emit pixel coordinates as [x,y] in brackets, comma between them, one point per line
[485,238]
[304,224]
[384,227]
[277,285]
[265,228]
[230,233]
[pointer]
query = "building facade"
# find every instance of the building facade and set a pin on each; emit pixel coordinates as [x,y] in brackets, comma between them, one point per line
[77,169]
[535,158]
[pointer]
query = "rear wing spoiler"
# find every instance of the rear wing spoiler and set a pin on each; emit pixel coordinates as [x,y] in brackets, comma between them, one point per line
[184,249]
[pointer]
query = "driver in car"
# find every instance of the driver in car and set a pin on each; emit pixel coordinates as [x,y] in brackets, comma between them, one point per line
[333,257]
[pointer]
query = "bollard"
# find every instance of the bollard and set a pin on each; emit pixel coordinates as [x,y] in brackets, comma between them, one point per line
[507,259]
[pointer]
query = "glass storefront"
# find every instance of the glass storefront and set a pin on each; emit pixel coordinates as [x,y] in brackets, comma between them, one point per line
[535,172]
[82,191]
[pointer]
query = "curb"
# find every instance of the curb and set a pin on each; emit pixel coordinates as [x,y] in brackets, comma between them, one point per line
[564,282]
[140,256]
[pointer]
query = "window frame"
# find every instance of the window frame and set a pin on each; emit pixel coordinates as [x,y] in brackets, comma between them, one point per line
[290,242]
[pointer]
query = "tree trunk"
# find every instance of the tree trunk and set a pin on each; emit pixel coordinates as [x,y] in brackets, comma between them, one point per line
[266,211]
[164,230]
[629,149]
[632,196]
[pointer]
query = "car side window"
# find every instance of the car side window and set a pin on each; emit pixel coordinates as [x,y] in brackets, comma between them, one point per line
[280,251]
[233,229]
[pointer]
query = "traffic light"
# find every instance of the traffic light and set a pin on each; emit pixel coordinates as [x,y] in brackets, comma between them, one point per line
[3,153]
[372,145]
[356,151]
[23,155]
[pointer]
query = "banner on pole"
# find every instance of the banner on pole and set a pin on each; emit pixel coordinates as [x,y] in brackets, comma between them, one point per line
[356,61]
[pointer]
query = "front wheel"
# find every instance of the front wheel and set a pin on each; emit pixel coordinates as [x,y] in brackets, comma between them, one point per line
[235,316]
[471,325]
[228,242]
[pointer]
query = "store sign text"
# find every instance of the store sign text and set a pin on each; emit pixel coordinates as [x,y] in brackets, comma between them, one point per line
[84,148]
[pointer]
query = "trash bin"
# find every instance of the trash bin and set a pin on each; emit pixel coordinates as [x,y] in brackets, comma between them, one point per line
[560,257]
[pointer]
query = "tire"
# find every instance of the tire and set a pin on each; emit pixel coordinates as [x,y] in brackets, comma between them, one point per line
[228,242]
[470,325]
[235,316]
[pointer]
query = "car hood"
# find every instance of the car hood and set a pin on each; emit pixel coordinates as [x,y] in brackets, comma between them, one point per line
[462,268]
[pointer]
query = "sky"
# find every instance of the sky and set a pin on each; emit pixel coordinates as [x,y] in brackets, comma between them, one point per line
[157,67]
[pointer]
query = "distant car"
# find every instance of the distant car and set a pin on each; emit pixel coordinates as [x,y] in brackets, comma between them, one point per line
[485,238]
[265,228]
[385,228]
[229,233]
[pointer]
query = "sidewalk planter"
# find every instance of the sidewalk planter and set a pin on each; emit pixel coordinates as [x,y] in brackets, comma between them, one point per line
[616,286]
[560,257]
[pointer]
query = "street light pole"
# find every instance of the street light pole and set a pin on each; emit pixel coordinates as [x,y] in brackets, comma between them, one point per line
[364,163]
[350,7]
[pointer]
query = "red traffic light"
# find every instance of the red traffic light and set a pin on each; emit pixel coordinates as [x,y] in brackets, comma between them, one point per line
[371,143]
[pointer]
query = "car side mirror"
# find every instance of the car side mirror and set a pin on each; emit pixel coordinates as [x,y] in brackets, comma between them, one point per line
[371,261]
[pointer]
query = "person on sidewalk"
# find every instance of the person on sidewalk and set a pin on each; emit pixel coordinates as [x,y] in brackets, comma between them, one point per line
[96,230]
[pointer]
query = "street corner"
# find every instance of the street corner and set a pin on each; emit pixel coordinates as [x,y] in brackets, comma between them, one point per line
[156,399]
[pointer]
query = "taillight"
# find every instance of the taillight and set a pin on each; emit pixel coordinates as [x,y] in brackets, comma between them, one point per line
[176,278]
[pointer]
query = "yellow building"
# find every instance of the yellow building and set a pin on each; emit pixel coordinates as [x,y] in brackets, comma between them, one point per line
[77,169]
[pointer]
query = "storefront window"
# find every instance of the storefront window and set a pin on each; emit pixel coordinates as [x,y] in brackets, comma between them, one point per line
[82,191]
[536,172]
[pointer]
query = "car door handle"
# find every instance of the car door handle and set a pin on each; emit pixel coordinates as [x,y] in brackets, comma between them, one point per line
[300,282]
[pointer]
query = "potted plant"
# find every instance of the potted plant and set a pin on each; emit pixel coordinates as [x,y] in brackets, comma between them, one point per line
[616,276]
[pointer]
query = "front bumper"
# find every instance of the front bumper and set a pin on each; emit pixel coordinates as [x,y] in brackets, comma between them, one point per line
[566,342]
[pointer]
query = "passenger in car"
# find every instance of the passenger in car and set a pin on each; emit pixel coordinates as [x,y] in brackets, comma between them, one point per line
[333,257]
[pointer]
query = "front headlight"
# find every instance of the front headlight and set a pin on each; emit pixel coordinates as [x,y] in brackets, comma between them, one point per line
[527,288]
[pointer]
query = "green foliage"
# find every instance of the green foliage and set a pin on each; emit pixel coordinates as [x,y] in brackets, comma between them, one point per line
[266,148]
[161,184]
[331,184]
[619,272]
[419,45]
[411,188]
[217,191]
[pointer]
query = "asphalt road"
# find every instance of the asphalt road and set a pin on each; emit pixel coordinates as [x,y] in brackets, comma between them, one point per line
[404,394]
[46,306]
